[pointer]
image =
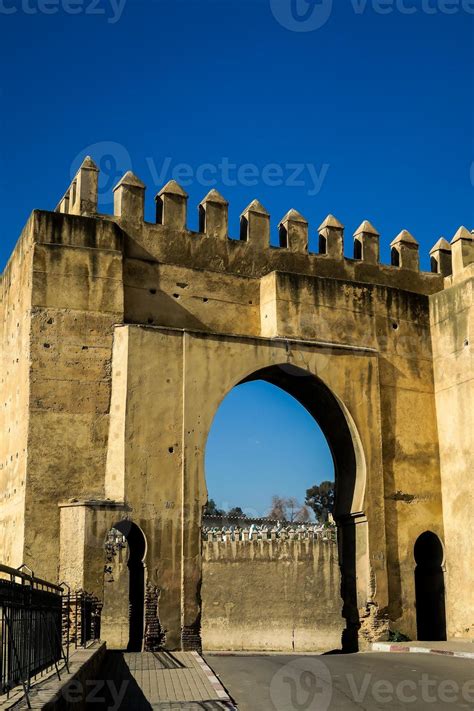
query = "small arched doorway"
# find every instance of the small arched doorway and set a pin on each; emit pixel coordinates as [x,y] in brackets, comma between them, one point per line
[124,587]
[429,588]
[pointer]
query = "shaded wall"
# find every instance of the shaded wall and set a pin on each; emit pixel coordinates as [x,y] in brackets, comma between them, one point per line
[271,595]
[115,622]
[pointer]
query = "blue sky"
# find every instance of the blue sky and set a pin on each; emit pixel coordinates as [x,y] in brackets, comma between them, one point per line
[263,442]
[360,108]
[381,105]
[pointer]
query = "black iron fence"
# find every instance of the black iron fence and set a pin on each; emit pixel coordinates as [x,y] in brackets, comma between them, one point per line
[39,623]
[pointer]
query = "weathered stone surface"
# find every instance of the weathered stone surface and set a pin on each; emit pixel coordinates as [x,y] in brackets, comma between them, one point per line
[120,339]
[299,582]
[452,331]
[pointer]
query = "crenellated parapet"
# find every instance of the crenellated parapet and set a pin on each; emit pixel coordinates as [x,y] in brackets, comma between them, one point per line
[129,198]
[441,258]
[213,215]
[366,243]
[462,247]
[404,251]
[279,534]
[162,241]
[82,195]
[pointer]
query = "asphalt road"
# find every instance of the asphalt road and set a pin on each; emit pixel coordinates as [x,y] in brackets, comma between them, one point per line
[368,681]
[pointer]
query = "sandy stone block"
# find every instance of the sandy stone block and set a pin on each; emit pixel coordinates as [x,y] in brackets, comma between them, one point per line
[70,396]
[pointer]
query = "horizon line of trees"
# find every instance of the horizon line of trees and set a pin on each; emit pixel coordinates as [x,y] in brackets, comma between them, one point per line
[319,499]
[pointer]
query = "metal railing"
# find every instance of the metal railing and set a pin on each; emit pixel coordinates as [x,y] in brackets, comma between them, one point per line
[39,623]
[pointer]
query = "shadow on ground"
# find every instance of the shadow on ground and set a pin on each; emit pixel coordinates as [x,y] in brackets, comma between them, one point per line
[119,691]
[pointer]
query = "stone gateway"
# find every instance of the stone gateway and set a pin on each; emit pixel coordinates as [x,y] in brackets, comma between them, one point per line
[120,338]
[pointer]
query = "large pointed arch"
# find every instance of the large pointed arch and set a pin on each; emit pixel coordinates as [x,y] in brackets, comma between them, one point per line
[340,431]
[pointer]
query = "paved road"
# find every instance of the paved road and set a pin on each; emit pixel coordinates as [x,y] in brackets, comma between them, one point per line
[155,682]
[370,682]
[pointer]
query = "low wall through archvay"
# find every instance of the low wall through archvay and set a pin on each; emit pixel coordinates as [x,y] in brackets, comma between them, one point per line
[271,591]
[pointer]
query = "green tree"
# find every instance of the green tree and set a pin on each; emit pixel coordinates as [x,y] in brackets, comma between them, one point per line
[210,509]
[320,498]
[237,512]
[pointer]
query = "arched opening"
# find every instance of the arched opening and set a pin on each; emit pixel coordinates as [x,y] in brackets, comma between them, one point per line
[394,257]
[349,470]
[202,219]
[324,407]
[278,453]
[283,237]
[124,587]
[434,265]
[357,249]
[244,229]
[429,588]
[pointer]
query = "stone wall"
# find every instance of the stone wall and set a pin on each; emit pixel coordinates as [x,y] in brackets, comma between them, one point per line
[271,594]
[15,324]
[452,324]
[77,296]
[120,339]
[115,615]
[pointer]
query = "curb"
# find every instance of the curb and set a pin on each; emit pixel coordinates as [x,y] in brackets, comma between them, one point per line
[413,649]
[216,684]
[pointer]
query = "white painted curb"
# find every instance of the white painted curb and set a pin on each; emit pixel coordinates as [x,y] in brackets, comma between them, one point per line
[413,649]
[216,684]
